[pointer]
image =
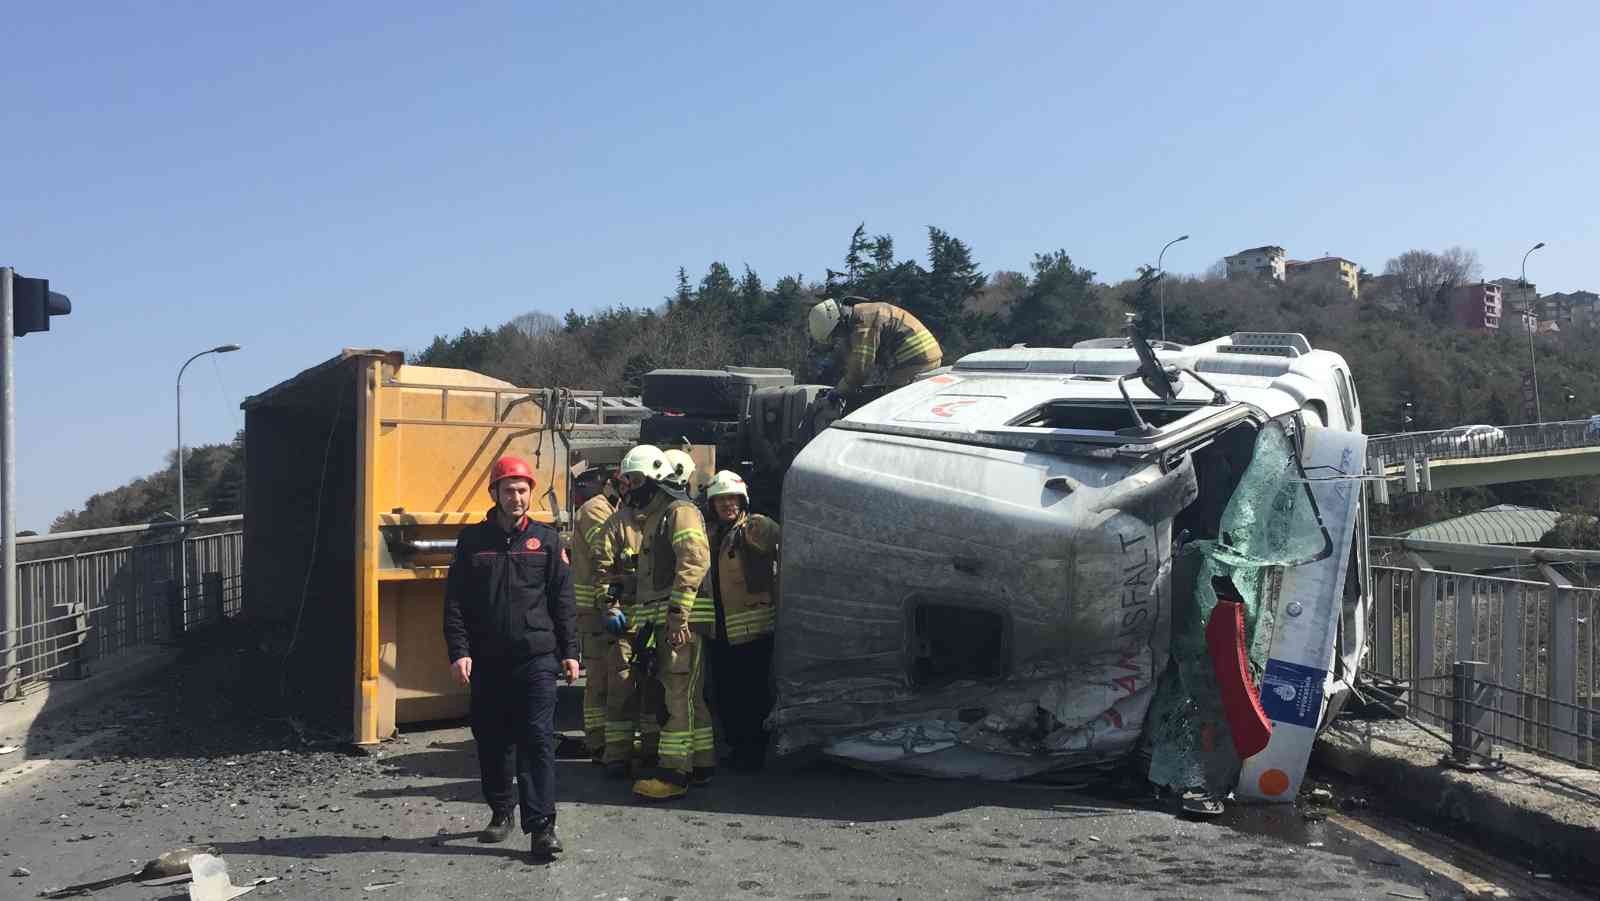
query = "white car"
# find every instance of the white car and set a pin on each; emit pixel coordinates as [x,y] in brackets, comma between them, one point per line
[1469,438]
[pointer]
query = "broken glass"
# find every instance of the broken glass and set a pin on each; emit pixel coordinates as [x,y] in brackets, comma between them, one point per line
[1270,522]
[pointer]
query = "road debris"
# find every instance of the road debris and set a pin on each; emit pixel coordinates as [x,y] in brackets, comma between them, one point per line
[172,866]
[379,886]
[211,881]
[1321,796]
[7,749]
[20,872]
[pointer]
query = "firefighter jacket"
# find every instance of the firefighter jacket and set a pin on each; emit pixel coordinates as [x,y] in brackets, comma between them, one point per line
[587,526]
[743,575]
[673,560]
[883,335]
[508,596]
[616,555]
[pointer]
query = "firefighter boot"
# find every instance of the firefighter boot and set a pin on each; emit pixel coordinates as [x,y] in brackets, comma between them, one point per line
[543,843]
[499,828]
[659,789]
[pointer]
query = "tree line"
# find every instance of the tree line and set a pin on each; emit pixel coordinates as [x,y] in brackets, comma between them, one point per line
[1400,345]
[213,477]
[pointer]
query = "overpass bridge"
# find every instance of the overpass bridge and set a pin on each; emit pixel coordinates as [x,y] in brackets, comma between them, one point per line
[1432,461]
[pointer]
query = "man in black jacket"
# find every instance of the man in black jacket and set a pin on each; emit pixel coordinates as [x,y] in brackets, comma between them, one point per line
[510,626]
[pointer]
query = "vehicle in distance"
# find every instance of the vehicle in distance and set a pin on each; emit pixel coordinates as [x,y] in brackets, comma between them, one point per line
[1469,438]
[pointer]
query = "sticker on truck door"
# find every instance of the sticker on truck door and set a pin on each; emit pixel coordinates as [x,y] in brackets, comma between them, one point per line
[949,408]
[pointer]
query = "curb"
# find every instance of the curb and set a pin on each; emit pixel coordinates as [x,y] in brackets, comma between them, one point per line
[1505,811]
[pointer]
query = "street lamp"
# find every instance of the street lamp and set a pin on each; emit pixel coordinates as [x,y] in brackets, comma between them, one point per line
[1531,318]
[1161,286]
[219,349]
[1405,416]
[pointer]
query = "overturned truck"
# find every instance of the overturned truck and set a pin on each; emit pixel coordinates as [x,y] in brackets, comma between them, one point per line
[1012,566]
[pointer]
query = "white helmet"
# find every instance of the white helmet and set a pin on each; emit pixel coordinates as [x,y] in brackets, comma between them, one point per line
[823,319]
[645,460]
[726,482]
[678,469]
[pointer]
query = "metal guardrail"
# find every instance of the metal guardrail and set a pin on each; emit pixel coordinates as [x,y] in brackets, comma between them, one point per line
[80,607]
[1530,635]
[1512,439]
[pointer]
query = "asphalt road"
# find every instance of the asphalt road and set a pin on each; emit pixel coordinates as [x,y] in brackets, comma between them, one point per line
[97,792]
[402,825]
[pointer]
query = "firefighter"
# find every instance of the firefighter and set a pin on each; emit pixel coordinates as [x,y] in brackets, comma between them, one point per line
[743,573]
[673,561]
[879,337]
[623,683]
[510,627]
[703,617]
[594,491]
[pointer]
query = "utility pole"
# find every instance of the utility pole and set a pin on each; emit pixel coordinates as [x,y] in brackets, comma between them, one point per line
[1161,286]
[26,305]
[10,627]
[1530,318]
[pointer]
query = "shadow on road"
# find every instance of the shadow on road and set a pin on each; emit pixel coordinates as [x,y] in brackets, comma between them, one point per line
[323,847]
[808,790]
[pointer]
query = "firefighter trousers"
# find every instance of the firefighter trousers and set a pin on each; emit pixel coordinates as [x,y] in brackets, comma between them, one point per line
[596,647]
[741,676]
[688,739]
[630,701]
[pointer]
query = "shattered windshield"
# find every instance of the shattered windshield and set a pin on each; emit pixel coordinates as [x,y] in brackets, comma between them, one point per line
[1270,522]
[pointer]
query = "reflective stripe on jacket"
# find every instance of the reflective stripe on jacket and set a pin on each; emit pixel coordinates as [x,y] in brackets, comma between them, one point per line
[672,561]
[616,555]
[744,573]
[882,334]
[587,525]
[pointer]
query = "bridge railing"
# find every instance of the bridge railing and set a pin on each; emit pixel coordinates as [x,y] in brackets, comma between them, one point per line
[80,600]
[1530,630]
[1448,444]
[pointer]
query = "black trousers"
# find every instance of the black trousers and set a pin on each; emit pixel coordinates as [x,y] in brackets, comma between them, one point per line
[513,723]
[741,677]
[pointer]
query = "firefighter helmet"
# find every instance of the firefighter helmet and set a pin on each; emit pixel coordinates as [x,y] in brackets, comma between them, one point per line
[679,469]
[824,318]
[645,460]
[726,482]
[510,468]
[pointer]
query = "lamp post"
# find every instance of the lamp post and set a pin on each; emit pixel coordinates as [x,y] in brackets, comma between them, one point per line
[219,349]
[1161,286]
[1530,317]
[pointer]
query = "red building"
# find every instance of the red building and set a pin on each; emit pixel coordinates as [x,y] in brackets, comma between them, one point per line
[1477,307]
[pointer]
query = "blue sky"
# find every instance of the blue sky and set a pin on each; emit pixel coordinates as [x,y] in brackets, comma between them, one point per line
[298,180]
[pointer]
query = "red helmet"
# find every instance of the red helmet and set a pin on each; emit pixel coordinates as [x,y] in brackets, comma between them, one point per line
[511,468]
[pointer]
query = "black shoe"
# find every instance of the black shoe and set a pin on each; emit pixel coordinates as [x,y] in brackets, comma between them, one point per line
[617,769]
[702,775]
[544,843]
[499,828]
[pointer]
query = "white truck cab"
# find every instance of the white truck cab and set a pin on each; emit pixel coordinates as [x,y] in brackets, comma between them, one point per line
[1000,569]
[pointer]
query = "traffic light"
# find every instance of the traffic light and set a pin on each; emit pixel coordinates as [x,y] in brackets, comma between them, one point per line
[33,303]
